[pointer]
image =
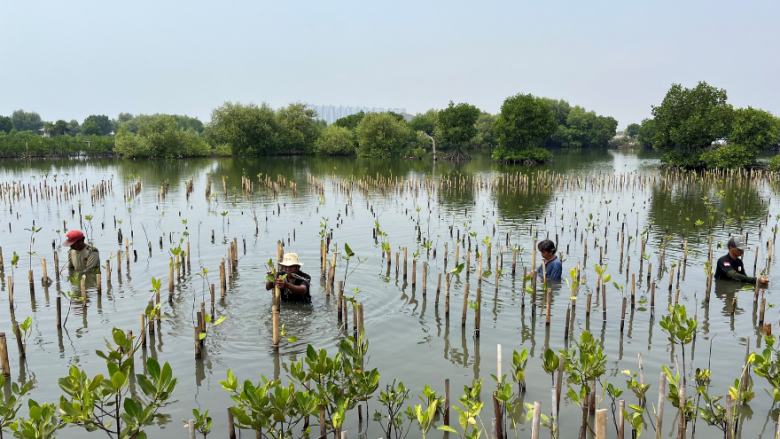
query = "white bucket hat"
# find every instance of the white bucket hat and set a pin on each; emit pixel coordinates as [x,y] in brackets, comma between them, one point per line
[291,259]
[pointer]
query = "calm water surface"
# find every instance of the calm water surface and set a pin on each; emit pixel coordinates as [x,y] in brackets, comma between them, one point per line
[410,338]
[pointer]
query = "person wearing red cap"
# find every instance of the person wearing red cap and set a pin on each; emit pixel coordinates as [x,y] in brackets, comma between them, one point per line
[81,256]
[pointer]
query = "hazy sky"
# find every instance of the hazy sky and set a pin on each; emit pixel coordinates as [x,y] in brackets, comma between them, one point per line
[70,59]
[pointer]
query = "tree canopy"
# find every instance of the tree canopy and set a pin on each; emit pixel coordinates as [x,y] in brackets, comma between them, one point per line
[247,129]
[335,140]
[160,137]
[632,130]
[6,124]
[350,122]
[297,128]
[457,124]
[586,129]
[27,121]
[524,122]
[382,135]
[102,121]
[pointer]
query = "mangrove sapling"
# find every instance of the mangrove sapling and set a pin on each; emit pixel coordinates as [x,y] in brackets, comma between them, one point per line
[425,417]
[10,402]
[613,393]
[519,362]
[713,413]
[347,256]
[42,424]
[585,363]
[703,380]
[469,413]
[268,406]
[674,396]
[635,418]
[26,329]
[202,422]
[393,398]
[680,329]
[94,404]
[767,365]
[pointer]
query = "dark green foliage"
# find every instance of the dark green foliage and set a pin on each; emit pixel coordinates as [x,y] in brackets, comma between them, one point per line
[729,157]
[6,124]
[774,164]
[91,128]
[425,122]
[335,140]
[134,122]
[755,129]
[524,122]
[646,133]
[161,137]
[28,143]
[632,130]
[102,121]
[457,125]
[24,121]
[297,128]
[248,129]
[585,129]
[690,119]
[350,122]
[485,137]
[382,135]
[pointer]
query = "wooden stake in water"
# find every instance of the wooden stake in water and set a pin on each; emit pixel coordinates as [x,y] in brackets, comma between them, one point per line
[4,364]
[465,304]
[477,313]
[275,315]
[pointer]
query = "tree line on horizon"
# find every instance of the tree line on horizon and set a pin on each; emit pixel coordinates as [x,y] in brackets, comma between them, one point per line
[693,128]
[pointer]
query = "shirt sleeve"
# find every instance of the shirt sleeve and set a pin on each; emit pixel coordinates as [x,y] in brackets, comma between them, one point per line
[70,263]
[725,267]
[739,277]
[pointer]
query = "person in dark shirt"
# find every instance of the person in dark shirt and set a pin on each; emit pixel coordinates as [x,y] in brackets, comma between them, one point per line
[552,265]
[730,266]
[295,285]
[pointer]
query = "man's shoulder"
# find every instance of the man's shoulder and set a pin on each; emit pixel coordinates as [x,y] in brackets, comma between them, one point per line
[723,258]
[303,275]
[92,248]
[557,262]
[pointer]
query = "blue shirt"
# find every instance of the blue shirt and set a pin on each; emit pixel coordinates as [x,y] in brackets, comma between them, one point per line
[554,269]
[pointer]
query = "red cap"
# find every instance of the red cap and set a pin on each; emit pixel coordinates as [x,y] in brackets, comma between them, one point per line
[73,237]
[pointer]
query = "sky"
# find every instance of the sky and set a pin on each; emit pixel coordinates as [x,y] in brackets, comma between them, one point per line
[67,60]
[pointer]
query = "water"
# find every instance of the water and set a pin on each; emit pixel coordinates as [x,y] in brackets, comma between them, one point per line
[410,338]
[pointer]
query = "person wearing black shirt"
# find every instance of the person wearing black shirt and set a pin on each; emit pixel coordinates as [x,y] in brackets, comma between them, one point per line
[730,266]
[295,285]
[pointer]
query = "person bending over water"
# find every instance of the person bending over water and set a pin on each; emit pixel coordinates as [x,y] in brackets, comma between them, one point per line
[295,286]
[730,266]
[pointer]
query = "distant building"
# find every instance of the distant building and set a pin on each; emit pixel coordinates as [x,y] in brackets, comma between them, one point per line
[330,113]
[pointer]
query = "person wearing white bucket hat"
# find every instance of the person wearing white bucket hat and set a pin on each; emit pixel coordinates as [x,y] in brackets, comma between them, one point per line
[293,283]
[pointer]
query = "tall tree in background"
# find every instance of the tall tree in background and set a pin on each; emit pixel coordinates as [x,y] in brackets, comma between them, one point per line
[297,130]
[102,121]
[6,124]
[247,129]
[646,134]
[753,128]
[60,127]
[688,121]
[335,140]
[485,137]
[524,122]
[457,124]
[425,122]
[74,127]
[632,130]
[382,135]
[350,122]
[27,121]
[585,129]
[91,128]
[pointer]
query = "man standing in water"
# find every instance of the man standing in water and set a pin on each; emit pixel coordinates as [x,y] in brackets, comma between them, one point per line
[295,286]
[552,264]
[81,257]
[730,266]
